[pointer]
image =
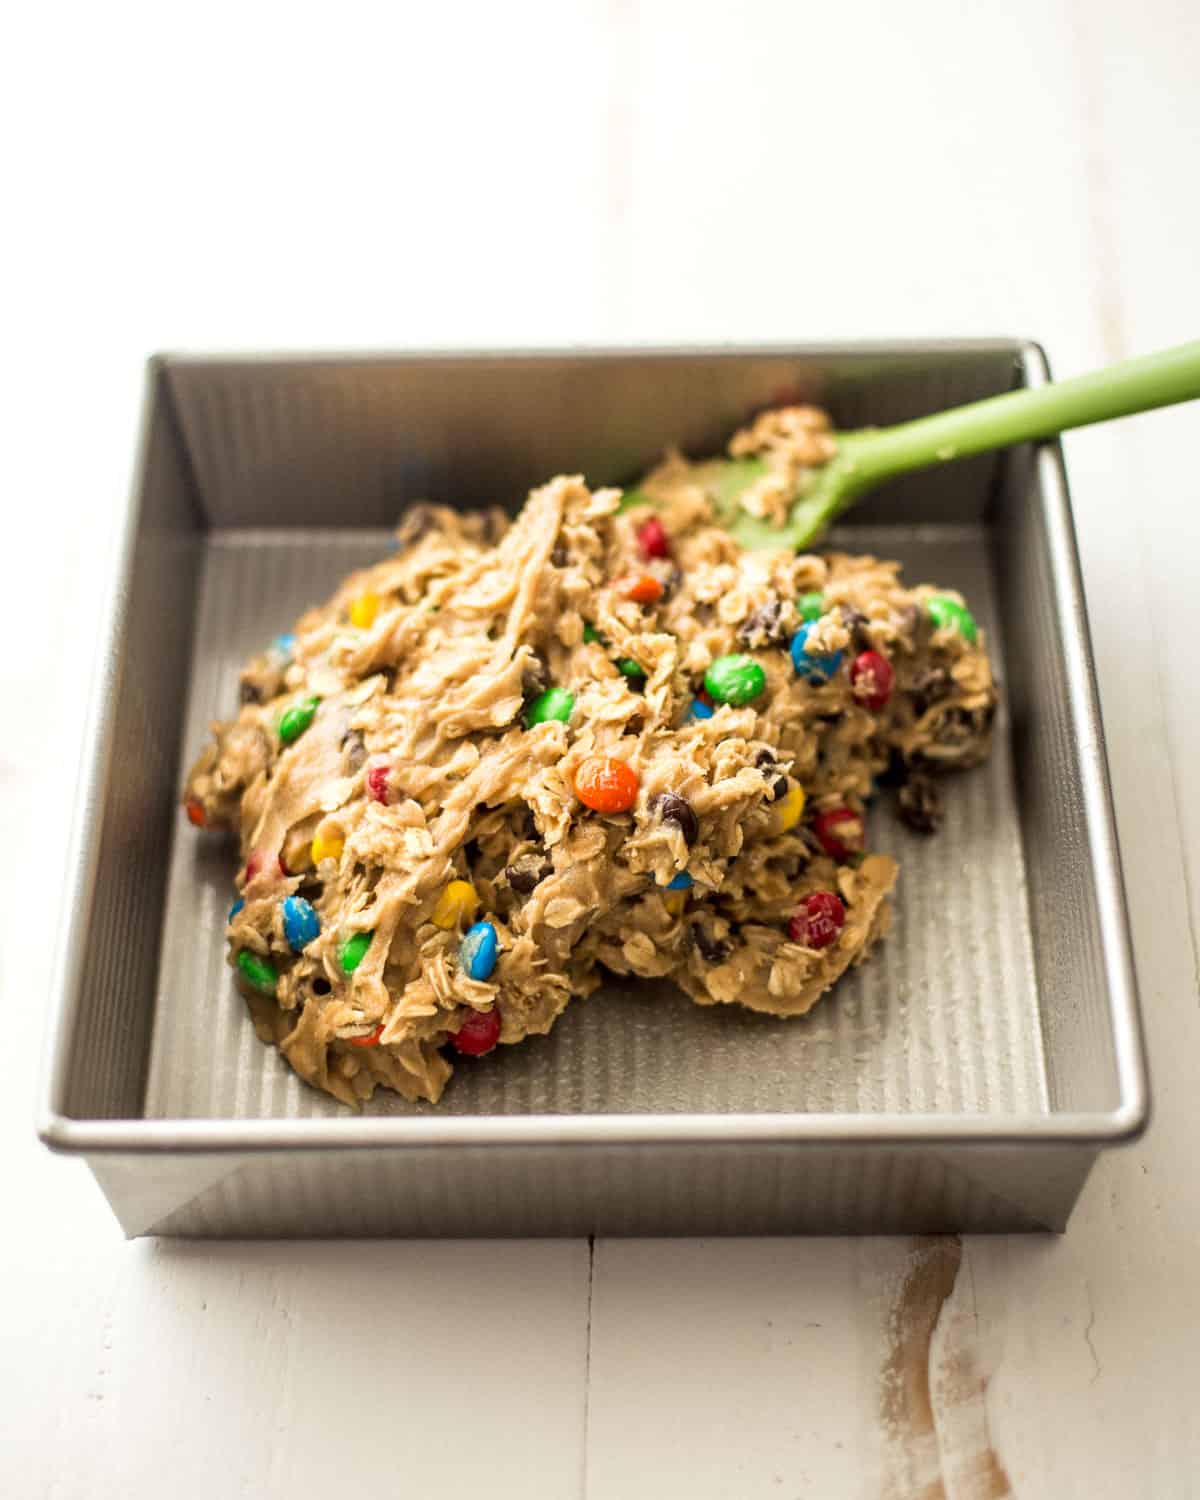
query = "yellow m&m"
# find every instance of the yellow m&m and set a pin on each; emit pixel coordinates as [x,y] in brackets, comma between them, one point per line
[457,903]
[363,610]
[328,844]
[790,809]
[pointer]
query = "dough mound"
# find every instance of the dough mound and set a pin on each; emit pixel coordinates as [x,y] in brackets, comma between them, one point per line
[417,768]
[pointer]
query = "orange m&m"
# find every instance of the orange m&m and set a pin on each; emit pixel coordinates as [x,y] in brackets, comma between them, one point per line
[606,785]
[642,589]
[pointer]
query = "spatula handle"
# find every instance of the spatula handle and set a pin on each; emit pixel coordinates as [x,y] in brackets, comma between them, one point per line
[1022,416]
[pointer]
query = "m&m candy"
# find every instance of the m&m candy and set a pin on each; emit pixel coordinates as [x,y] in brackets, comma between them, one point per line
[606,785]
[354,950]
[300,922]
[479,1032]
[477,951]
[947,613]
[817,666]
[257,972]
[734,679]
[296,719]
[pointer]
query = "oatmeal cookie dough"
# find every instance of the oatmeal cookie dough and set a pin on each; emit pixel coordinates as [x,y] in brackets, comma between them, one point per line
[512,757]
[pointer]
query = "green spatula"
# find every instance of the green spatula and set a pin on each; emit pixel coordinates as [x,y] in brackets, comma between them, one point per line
[868,457]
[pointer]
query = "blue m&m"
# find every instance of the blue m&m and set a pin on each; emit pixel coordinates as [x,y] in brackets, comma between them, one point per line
[816,666]
[300,923]
[477,951]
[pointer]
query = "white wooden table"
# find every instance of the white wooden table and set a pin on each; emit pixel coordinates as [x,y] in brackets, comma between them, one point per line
[257,176]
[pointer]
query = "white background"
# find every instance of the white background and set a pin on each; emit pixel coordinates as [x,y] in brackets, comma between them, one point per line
[271,176]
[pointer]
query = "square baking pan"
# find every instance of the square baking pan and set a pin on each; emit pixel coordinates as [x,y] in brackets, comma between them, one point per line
[964,1079]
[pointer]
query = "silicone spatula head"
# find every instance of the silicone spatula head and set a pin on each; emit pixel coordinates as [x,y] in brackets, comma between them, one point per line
[864,459]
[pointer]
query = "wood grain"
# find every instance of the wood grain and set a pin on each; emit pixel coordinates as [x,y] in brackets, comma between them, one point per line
[914,1460]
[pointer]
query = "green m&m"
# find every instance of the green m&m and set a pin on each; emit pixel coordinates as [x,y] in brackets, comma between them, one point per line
[949,613]
[631,669]
[354,950]
[810,606]
[297,719]
[734,679]
[257,972]
[554,704]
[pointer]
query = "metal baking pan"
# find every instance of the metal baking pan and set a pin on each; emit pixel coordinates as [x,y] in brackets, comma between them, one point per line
[964,1079]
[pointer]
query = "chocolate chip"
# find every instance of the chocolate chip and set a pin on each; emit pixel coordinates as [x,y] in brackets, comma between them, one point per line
[321,985]
[763,627]
[712,948]
[929,688]
[809,839]
[776,785]
[920,803]
[534,677]
[856,623]
[671,582]
[559,557]
[956,727]
[354,750]
[674,809]
[415,523]
[248,692]
[896,772]
[527,872]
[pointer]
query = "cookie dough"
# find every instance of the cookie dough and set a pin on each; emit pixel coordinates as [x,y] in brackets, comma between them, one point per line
[518,755]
